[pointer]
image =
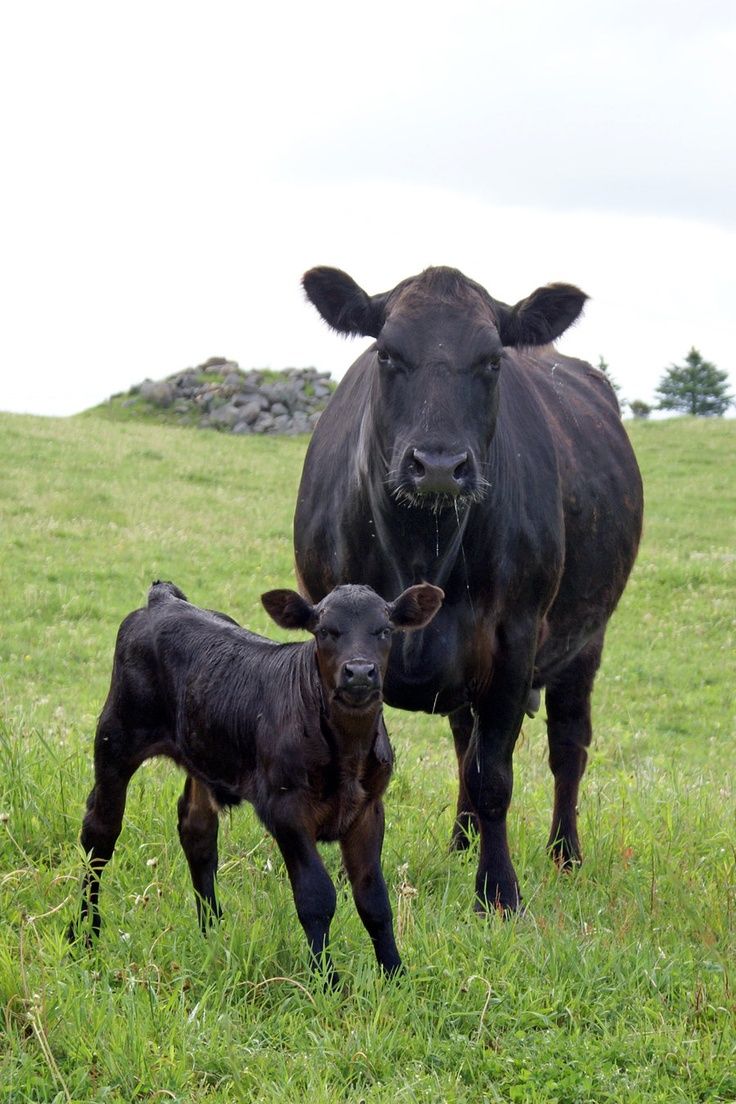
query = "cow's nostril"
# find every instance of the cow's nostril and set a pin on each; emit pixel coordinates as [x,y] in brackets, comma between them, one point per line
[461,467]
[415,465]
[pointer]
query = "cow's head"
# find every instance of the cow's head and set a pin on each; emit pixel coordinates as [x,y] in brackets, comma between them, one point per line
[352,627]
[439,356]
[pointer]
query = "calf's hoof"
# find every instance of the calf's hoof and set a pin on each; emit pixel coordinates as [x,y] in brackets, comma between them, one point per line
[331,980]
[394,969]
[84,939]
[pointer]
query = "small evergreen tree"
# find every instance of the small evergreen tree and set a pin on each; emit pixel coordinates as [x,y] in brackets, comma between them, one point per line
[640,409]
[695,387]
[604,367]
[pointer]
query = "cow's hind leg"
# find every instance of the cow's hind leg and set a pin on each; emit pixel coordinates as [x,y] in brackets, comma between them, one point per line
[198,824]
[569,733]
[466,821]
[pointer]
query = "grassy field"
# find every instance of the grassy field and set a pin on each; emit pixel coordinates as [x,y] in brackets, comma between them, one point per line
[616,985]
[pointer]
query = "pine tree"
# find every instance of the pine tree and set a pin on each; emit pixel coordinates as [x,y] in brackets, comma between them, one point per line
[695,387]
[604,367]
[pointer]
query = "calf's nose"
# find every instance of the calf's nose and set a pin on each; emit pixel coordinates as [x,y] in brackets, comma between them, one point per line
[358,675]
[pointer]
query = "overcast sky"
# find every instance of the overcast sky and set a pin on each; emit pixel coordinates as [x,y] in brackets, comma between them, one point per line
[171,169]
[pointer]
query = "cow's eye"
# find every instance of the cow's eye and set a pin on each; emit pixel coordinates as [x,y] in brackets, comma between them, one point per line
[494,362]
[383,634]
[324,634]
[383,356]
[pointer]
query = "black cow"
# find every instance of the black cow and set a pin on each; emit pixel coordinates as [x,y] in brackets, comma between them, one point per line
[461,449]
[296,729]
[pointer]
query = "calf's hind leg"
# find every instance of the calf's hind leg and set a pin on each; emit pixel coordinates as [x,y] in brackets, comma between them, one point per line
[569,733]
[198,824]
[100,830]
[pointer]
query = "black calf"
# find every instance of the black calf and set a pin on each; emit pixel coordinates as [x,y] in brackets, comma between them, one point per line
[296,729]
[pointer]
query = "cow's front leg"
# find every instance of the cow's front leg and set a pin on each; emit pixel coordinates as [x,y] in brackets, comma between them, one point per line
[488,768]
[314,893]
[361,852]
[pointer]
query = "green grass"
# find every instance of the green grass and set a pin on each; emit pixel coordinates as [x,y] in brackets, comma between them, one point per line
[616,985]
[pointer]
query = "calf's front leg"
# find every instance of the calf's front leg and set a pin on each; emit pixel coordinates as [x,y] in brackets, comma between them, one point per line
[314,893]
[361,852]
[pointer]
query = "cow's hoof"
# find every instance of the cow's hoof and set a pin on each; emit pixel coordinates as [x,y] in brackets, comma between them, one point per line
[565,853]
[464,832]
[505,903]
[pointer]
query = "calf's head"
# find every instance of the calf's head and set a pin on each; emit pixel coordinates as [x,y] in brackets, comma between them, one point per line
[352,627]
[437,362]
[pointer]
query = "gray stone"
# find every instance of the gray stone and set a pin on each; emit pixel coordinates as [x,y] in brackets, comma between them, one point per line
[264,424]
[227,415]
[220,395]
[249,413]
[245,394]
[159,392]
[186,381]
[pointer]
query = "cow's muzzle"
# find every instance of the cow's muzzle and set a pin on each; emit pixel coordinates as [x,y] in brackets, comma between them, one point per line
[437,473]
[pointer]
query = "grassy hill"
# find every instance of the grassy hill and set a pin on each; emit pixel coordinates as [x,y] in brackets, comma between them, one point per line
[618,982]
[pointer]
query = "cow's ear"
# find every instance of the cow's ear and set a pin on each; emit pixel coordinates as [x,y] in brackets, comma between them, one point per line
[289,610]
[541,317]
[415,607]
[344,305]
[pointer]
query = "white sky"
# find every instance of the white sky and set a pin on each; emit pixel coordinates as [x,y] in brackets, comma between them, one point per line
[170,170]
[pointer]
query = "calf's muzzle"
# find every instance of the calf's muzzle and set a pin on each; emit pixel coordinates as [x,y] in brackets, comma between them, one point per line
[359,681]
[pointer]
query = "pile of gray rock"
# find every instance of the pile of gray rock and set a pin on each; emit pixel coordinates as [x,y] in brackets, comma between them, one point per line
[220,395]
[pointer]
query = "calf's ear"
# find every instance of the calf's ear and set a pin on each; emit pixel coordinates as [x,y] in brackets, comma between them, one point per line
[541,317]
[289,610]
[415,607]
[342,304]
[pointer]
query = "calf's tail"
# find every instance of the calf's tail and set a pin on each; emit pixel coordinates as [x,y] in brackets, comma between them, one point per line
[161,589]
